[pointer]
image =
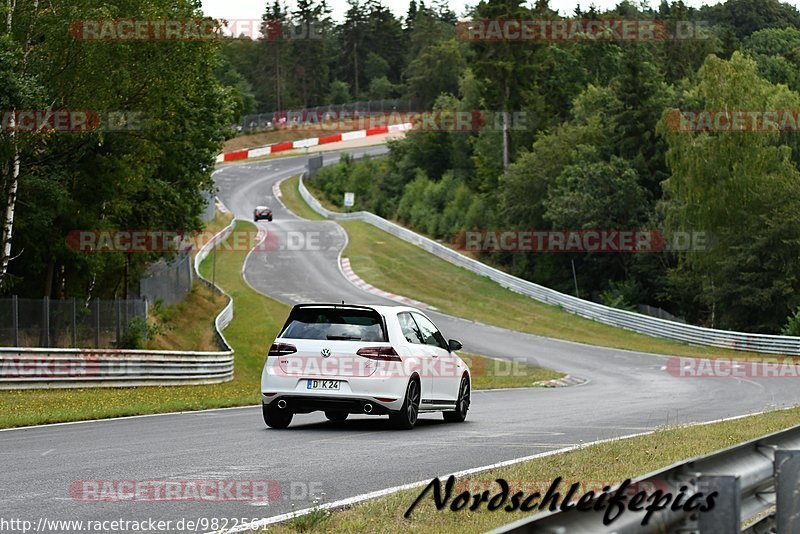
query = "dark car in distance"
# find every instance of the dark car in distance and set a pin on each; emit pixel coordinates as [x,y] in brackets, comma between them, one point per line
[262,212]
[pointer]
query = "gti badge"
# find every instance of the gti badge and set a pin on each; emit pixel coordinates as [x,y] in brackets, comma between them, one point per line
[325,353]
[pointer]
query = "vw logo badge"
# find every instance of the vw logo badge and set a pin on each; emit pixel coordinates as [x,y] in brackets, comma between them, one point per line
[325,353]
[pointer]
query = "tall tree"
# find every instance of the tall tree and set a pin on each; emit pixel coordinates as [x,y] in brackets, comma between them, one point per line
[739,188]
[352,35]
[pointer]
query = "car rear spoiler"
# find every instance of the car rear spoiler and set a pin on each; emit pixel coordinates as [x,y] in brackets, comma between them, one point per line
[332,305]
[342,305]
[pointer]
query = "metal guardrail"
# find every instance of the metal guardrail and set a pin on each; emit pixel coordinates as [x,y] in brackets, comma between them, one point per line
[24,368]
[636,322]
[226,315]
[751,480]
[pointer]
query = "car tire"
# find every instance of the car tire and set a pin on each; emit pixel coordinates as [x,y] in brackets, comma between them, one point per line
[274,417]
[406,418]
[269,219]
[336,416]
[462,404]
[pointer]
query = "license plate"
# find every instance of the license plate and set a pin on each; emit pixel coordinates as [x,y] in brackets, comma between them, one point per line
[322,384]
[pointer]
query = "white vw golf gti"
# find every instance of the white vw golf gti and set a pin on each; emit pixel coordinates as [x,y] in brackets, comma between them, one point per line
[377,360]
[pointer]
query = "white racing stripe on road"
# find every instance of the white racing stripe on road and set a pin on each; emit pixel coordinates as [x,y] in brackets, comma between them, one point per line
[257,525]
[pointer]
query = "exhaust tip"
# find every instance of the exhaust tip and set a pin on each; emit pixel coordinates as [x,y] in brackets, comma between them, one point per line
[281,404]
[368,408]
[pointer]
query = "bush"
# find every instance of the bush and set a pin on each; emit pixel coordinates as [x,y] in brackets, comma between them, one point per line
[136,335]
[622,295]
[792,326]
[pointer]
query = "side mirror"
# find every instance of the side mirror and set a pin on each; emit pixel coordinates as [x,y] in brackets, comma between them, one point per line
[454,345]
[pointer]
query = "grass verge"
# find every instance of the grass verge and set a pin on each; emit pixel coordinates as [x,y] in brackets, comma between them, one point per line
[186,325]
[190,324]
[492,373]
[290,196]
[593,466]
[249,339]
[396,266]
[399,267]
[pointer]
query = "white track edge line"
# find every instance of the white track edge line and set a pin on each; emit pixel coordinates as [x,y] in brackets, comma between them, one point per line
[388,491]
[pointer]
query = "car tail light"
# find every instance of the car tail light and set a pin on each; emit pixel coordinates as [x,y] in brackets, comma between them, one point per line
[386,354]
[281,349]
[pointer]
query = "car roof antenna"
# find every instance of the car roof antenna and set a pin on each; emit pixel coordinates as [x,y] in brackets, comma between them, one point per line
[342,302]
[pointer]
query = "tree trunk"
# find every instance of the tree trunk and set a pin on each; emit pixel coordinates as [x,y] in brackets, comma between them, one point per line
[505,125]
[11,203]
[12,4]
[12,184]
[48,281]
[278,78]
[355,67]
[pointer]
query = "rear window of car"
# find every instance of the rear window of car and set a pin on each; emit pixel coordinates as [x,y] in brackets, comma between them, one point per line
[343,324]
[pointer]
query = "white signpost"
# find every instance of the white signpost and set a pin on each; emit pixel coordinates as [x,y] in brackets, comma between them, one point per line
[349,200]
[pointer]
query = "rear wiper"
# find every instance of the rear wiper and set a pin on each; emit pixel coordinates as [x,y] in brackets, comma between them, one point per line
[344,338]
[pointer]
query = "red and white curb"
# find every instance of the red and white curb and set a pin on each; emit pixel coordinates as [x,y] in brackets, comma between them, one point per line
[354,279]
[568,380]
[221,207]
[257,152]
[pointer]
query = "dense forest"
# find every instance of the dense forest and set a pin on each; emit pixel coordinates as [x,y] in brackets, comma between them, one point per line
[599,152]
[134,175]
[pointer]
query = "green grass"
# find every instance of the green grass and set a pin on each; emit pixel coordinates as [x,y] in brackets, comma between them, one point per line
[187,325]
[400,267]
[322,198]
[593,466]
[290,196]
[492,373]
[250,339]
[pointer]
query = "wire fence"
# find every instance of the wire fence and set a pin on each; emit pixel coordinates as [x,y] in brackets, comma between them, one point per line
[168,281]
[46,323]
[293,118]
[211,208]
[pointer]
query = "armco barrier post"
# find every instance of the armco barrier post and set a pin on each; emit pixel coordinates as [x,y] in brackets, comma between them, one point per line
[15,319]
[119,320]
[74,323]
[145,310]
[725,517]
[45,337]
[97,322]
[787,482]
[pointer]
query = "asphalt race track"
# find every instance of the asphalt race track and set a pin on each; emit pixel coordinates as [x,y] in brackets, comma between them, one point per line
[627,393]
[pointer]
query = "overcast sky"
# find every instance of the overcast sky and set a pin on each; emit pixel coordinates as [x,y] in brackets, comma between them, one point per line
[253,9]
